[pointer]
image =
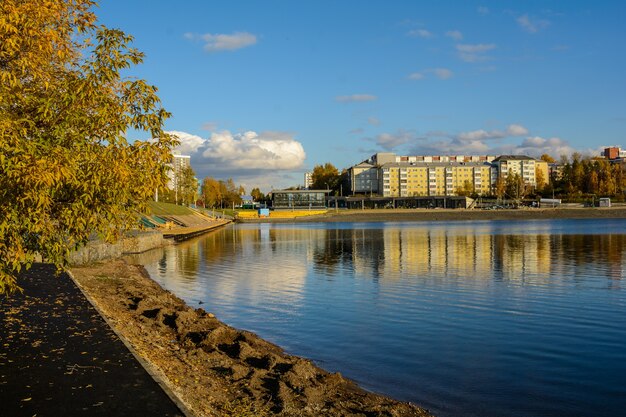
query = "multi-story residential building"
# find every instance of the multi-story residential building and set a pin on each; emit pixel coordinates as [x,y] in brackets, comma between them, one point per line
[370,176]
[364,178]
[528,168]
[308,180]
[390,175]
[179,162]
[415,179]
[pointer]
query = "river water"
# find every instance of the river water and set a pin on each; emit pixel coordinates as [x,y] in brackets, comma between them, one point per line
[493,318]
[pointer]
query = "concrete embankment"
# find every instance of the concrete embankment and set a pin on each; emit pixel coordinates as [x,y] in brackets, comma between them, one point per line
[397,215]
[139,242]
[136,242]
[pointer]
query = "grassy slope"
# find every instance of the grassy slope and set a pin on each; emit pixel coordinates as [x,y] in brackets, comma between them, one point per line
[168,208]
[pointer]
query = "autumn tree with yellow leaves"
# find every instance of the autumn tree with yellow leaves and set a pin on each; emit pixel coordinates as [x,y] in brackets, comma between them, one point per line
[66,168]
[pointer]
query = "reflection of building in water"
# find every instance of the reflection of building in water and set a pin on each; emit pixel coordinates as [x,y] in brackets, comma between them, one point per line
[368,257]
[464,252]
[419,252]
[442,251]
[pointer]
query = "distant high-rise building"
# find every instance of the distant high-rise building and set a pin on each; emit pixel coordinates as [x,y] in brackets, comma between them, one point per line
[308,180]
[179,162]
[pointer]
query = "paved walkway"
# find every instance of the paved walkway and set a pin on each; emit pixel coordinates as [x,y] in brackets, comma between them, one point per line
[58,357]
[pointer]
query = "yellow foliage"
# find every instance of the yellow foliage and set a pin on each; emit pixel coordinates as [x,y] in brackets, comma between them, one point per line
[66,169]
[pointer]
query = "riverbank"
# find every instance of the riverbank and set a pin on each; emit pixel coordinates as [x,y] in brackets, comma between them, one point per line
[396,215]
[214,369]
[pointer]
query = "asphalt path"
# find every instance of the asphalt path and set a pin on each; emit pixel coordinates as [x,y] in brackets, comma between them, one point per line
[58,357]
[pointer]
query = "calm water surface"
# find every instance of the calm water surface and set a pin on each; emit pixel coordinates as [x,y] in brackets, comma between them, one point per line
[463,318]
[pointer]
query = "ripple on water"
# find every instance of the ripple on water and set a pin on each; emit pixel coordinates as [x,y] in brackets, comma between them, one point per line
[465,318]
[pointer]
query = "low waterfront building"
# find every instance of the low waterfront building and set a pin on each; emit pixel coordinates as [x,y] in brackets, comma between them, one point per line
[299,199]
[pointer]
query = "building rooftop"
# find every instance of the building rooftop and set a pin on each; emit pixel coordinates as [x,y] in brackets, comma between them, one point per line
[514,157]
[435,164]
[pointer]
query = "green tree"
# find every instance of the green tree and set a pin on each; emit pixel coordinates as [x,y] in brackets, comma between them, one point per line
[229,192]
[547,158]
[325,177]
[257,194]
[515,186]
[187,186]
[466,190]
[540,180]
[210,192]
[500,187]
[66,168]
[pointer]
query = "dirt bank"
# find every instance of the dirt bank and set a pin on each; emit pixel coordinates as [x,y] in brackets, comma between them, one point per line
[382,215]
[215,369]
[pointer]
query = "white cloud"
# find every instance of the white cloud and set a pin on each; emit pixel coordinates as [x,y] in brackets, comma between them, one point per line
[389,141]
[416,76]
[355,98]
[451,147]
[483,10]
[374,121]
[441,73]
[210,126]
[532,25]
[476,48]
[516,130]
[536,145]
[481,134]
[474,52]
[422,33]
[252,151]
[189,143]
[268,154]
[222,42]
[454,34]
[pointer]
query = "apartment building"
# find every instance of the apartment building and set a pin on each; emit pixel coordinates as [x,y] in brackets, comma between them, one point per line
[364,178]
[179,162]
[530,169]
[367,176]
[414,179]
[390,175]
[308,180]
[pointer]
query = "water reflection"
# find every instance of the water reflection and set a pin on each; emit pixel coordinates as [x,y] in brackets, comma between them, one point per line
[480,316]
[395,252]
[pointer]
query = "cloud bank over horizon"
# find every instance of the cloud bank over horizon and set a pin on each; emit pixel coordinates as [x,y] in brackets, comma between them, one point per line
[258,159]
[514,139]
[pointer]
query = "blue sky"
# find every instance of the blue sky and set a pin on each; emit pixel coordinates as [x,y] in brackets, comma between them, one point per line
[263,91]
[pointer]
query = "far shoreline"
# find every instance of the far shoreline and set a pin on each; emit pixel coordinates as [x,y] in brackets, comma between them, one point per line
[429,215]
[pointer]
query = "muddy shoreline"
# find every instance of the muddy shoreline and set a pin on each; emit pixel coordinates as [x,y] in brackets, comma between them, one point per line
[214,369]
